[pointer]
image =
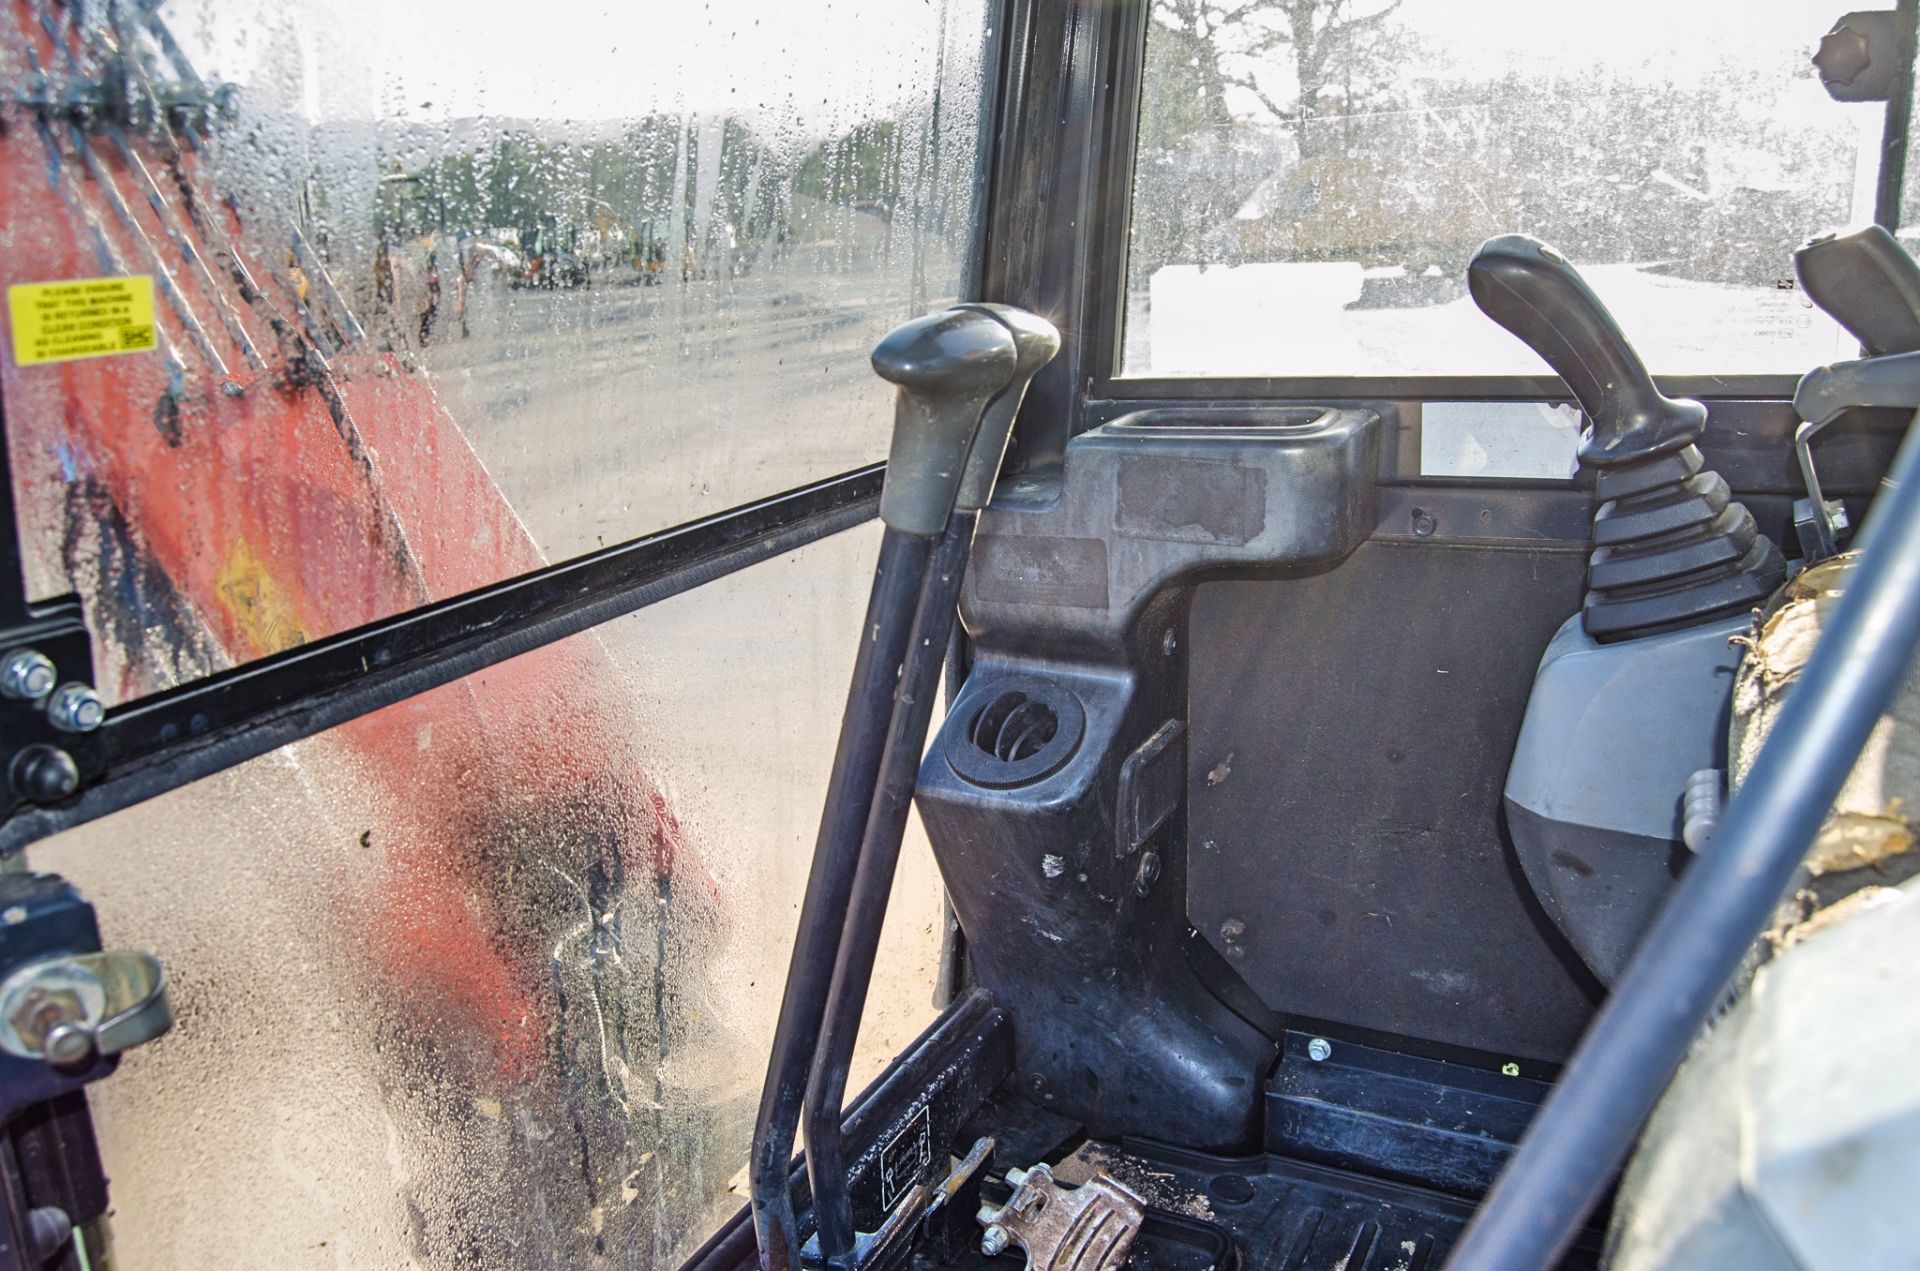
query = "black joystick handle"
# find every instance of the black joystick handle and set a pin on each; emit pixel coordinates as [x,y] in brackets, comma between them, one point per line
[1531,290]
[1671,546]
[949,366]
[1868,284]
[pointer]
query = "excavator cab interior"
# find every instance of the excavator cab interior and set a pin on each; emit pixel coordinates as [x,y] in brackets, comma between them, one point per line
[1379,736]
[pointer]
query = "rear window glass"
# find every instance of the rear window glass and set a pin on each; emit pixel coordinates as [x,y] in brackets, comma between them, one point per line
[1314,175]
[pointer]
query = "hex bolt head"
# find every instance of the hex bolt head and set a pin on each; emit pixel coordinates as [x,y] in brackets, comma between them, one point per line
[994,1241]
[1319,1050]
[1015,1177]
[76,708]
[44,774]
[68,1045]
[27,675]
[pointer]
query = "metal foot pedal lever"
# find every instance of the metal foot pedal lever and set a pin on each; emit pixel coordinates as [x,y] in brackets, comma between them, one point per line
[949,367]
[1086,1228]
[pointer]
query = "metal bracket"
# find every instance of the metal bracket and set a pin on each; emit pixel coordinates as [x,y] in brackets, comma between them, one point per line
[1817,520]
[67,1011]
[71,1011]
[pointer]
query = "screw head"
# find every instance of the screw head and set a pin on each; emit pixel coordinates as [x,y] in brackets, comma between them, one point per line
[68,1045]
[27,675]
[76,708]
[1168,643]
[1424,523]
[994,1241]
[1319,1050]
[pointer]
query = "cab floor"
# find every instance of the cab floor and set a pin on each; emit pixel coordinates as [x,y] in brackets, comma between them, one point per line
[1269,1213]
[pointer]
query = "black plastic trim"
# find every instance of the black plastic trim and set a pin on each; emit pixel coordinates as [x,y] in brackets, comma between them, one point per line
[1441,388]
[1891,180]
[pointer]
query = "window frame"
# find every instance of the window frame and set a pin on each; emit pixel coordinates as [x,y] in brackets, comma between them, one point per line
[1092,99]
[165,740]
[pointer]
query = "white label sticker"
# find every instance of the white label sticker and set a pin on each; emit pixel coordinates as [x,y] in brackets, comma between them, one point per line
[1534,440]
[906,1157]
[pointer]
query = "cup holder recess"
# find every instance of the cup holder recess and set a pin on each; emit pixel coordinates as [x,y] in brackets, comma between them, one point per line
[1015,732]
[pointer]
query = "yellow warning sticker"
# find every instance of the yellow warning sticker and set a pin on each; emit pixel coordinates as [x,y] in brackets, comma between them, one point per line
[86,317]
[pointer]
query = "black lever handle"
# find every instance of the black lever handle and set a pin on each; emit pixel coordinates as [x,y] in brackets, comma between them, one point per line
[949,367]
[1036,341]
[1531,290]
[1868,284]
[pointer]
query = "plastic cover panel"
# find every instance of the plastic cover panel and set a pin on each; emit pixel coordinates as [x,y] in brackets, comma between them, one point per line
[440,295]
[489,978]
[1344,810]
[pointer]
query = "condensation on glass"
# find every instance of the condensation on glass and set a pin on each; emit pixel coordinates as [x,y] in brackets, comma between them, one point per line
[488,978]
[445,291]
[1313,176]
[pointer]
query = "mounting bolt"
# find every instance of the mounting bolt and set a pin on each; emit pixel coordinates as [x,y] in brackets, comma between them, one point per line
[27,675]
[1319,1050]
[1015,1177]
[44,774]
[994,1241]
[1168,643]
[68,1045]
[75,708]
